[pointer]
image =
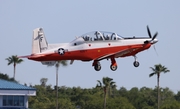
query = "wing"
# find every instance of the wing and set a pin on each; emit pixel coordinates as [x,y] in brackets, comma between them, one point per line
[35,55]
[119,53]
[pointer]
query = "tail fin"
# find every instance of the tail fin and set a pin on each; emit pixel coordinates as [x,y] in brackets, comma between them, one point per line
[39,43]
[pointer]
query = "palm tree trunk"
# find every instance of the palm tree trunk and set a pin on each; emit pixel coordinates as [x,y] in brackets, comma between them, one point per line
[14,71]
[105,98]
[56,88]
[158,90]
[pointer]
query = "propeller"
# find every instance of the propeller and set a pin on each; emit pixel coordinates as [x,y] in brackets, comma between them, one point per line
[150,36]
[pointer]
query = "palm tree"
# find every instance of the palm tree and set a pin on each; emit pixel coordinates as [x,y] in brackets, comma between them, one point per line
[106,86]
[57,65]
[158,68]
[14,60]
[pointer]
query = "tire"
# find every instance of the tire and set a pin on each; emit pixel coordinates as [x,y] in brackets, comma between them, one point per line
[97,67]
[136,64]
[113,68]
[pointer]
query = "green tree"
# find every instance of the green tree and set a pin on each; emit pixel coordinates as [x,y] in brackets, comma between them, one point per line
[108,83]
[119,103]
[177,96]
[57,65]
[6,77]
[14,60]
[135,97]
[43,81]
[147,98]
[122,92]
[157,70]
[79,98]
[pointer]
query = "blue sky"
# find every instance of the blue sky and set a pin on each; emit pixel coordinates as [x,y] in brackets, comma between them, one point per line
[63,20]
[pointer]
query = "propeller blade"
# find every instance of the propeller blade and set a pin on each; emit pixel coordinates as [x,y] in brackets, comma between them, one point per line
[155,35]
[155,50]
[149,33]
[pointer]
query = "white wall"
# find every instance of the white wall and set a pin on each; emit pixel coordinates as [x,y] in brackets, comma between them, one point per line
[18,92]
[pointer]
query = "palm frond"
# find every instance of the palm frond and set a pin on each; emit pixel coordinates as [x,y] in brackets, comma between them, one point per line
[150,75]
[153,69]
[113,86]
[19,61]
[167,71]
[14,59]
[100,84]
[97,86]
[112,83]
[158,68]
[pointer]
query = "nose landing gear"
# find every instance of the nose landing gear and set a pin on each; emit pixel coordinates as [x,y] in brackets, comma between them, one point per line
[135,63]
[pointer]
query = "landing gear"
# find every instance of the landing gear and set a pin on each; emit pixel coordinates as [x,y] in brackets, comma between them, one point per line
[97,65]
[113,65]
[135,63]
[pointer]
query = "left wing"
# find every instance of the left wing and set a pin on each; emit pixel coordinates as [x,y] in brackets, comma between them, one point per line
[35,55]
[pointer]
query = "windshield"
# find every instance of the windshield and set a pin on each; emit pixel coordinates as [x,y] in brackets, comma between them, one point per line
[101,35]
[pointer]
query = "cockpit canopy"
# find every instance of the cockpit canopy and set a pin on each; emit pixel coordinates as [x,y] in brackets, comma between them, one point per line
[101,35]
[96,36]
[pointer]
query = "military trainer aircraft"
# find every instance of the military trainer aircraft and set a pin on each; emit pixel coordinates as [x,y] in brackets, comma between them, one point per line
[93,46]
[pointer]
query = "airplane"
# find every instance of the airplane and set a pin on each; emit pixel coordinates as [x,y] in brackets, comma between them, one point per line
[93,46]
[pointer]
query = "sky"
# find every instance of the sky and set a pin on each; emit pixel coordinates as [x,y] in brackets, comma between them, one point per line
[63,20]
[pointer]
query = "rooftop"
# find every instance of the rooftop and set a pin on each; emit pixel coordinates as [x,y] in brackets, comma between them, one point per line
[8,85]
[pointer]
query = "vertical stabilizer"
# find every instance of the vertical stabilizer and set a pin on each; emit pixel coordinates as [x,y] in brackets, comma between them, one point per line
[39,43]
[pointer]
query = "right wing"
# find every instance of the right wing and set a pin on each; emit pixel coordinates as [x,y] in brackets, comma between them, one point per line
[119,53]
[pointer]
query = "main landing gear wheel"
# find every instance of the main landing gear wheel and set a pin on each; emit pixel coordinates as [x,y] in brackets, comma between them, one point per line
[97,67]
[136,64]
[113,67]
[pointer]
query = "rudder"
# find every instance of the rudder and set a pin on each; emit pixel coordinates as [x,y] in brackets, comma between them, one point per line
[39,43]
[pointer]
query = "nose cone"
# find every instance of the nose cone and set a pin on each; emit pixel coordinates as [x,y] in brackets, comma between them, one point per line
[154,41]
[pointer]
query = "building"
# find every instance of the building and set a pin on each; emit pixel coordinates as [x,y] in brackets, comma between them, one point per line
[14,95]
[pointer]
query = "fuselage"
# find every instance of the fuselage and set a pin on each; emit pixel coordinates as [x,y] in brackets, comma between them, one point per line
[79,49]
